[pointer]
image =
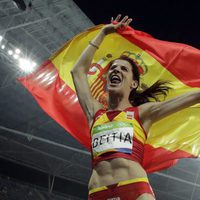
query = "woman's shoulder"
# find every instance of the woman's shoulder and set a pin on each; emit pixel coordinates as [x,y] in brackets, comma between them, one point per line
[145,114]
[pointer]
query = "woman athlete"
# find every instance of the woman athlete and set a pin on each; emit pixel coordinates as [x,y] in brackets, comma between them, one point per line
[118,133]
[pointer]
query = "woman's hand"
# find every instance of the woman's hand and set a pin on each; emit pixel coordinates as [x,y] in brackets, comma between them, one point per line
[111,28]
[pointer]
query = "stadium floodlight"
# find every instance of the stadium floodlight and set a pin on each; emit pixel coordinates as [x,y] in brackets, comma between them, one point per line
[26,65]
[1,38]
[3,46]
[10,52]
[33,64]
[17,51]
[16,56]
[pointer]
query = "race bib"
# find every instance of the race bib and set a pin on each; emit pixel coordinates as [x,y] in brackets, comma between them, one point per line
[112,137]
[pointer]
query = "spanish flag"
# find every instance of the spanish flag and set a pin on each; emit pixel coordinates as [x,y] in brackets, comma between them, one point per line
[172,138]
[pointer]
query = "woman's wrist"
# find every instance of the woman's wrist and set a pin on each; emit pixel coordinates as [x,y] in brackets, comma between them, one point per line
[107,29]
[103,31]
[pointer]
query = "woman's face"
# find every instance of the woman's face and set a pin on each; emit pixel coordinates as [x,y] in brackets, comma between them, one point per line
[120,77]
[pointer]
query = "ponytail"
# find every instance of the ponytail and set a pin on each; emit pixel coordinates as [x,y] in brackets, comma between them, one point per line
[137,98]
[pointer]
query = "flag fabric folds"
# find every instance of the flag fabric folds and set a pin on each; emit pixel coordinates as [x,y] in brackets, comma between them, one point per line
[172,138]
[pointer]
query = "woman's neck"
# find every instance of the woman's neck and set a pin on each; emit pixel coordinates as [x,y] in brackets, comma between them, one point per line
[118,103]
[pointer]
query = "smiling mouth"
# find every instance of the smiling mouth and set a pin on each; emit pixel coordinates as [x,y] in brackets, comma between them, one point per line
[115,80]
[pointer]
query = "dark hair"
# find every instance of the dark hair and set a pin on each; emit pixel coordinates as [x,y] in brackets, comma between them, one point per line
[136,97]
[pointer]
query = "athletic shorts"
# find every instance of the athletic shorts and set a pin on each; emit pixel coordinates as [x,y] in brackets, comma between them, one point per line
[124,190]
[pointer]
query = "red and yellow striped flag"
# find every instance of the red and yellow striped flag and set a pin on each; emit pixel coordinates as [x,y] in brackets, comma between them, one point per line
[172,138]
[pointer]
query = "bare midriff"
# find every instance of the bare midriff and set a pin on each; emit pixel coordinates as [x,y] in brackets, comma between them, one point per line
[115,170]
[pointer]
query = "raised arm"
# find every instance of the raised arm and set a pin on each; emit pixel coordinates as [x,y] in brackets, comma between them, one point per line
[80,70]
[158,110]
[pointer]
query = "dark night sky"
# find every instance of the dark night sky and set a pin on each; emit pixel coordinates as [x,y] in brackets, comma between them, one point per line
[175,20]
